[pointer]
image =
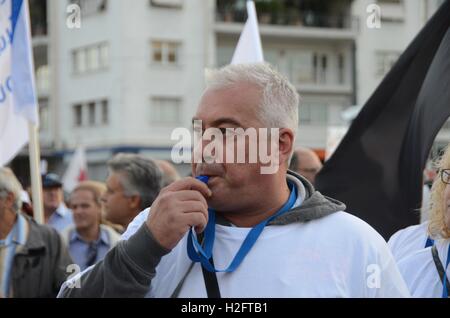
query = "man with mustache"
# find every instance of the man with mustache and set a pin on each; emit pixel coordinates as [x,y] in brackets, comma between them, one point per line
[262,234]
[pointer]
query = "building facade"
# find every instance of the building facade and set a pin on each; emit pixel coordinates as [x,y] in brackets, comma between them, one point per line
[121,75]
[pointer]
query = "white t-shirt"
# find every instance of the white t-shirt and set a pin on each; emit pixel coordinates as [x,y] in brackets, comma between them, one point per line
[335,256]
[408,240]
[419,271]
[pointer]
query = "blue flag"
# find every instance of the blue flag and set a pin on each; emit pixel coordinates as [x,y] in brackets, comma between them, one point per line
[18,103]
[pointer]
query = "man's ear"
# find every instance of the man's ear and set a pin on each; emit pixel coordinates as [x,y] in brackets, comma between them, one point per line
[286,143]
[134,202]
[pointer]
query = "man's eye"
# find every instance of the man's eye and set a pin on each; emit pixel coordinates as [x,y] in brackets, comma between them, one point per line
[227,131]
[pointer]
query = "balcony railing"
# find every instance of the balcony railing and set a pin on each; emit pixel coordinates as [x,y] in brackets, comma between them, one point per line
[290,18]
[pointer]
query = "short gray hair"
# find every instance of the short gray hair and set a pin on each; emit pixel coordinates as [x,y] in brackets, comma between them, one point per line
[10,184]
[139,176]
[280,100]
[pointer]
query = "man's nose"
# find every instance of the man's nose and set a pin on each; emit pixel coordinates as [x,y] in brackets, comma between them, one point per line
[215,150]
[212,145]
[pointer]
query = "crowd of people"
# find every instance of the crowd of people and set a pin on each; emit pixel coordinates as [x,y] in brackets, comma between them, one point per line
[146,232]
[36,259]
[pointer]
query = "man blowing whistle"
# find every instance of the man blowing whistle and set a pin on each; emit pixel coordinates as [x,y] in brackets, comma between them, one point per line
[265,234]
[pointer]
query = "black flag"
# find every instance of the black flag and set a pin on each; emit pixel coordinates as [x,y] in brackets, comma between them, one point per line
[377,169]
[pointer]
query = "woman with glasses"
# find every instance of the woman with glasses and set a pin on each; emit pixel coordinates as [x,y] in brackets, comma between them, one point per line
[426,271]
[413,238]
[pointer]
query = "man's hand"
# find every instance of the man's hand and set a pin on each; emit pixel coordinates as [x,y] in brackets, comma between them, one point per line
[178,207]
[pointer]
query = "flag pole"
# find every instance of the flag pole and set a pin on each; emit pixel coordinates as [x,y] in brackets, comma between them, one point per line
[36,182]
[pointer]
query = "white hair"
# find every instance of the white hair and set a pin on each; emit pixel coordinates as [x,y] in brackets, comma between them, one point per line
[10,184]
[280,100]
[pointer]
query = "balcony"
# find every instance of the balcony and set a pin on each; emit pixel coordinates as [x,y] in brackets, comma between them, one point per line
[307,19]
[290,19]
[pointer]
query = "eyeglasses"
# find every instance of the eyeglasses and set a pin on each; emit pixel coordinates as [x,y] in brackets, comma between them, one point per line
[445,176]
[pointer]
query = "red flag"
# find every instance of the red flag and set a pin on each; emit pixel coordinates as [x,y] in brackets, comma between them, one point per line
[76,171]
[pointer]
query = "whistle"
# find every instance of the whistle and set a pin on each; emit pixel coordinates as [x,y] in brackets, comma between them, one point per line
[203,179]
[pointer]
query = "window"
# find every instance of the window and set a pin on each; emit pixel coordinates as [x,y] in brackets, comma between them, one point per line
[313,113]
[301,65]
[315,66]
[91,117]
[165,52]
[38,17]
[323,69]
[392,10]
[165,110]
[341,69]
[157,52]
[90,7]
[44,114]
[43,79]
[167,3]
[302,68]
[79,61]
[172,52]
[304,114]
[105,114]
[320,66]
[90,59]
[104,55]
[78,115]
[96,113]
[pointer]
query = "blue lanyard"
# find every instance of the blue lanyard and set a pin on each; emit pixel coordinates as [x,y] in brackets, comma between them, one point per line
[429,242]
[445,291]
[204,254]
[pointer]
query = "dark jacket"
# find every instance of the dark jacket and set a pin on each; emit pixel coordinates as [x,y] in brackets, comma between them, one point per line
[40,267]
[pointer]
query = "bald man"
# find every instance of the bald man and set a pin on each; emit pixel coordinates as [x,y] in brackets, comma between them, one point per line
[306,162]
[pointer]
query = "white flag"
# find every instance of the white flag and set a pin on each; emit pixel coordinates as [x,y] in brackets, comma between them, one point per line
[76,171]
[249,49]
[18,103]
